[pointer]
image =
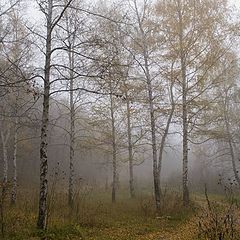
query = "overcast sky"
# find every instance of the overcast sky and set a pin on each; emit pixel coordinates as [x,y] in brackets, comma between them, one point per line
[34,13]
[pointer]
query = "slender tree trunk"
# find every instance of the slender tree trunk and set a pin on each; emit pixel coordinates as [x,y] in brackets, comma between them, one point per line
[14,187]
[235,171]
[42,211]
[165,133]
[5,163]
[130,149]
[72,132]
[72,142]
[114,153]
[230,143]
[5,136]
[5,133]
[71,57]
[71,166]
[157,193]
[184,109]
[185,156]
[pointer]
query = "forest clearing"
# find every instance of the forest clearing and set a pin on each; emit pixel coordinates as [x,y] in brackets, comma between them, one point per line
[119,119]
[128,219]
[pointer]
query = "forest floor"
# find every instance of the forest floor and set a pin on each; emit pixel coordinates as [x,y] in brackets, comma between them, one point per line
[94,217]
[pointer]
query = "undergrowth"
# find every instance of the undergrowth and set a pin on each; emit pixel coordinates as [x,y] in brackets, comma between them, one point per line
[94,216]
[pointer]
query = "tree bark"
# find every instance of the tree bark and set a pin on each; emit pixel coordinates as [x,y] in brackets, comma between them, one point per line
[184,109]
[72,138]
[157,191]
[72,142]
[42,211]
[235,171]
[14,187]
[230,143]
[144,43]
[114,153]
[130,149]
[5,136]
[164,137]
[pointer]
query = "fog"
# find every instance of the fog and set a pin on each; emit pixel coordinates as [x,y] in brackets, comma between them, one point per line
[119,119]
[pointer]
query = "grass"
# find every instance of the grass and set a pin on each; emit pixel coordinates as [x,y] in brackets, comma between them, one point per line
[94,217]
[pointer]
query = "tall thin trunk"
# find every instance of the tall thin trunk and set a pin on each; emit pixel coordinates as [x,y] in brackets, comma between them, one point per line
[42,211]
[72,138]
[71,58]
[164,137]
[185,149]
[5,133]
[184,109]
[230,143]
[14,187]
[235,171]
[130,149]
[157,193]
[5,136]
[16,123]
[114,151]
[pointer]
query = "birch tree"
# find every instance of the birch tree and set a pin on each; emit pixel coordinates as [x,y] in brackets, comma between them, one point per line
[19,56]
[15,55]
[141,40]
[196,38]
[49,9]
[133,93]
[130,141]
[222,117]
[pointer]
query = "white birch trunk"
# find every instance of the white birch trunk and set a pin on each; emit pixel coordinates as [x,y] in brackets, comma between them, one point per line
[184,109]
[72,142]
[151,110]
[5,136]
[114,150]
[130,149]
[71,57]
[230,143]
[164,137]
[14,187]
[42,211]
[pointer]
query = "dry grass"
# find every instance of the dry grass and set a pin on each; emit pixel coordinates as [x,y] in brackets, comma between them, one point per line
[95,217]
